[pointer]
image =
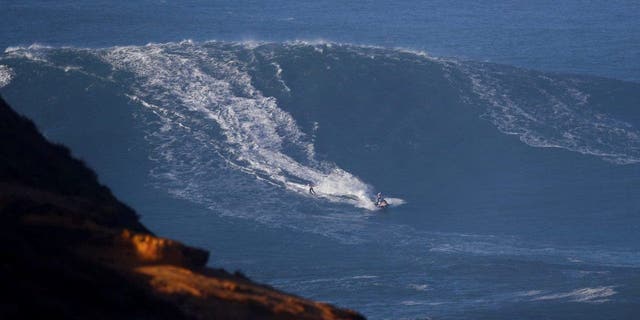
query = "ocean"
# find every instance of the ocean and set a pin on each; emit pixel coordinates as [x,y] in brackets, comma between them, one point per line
[505,136]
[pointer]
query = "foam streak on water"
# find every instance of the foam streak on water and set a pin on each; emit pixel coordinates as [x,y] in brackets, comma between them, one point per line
[553,115]
[6,74]
[585,295]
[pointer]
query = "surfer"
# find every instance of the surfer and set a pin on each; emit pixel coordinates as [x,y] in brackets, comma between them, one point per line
[311,191]
[378,198]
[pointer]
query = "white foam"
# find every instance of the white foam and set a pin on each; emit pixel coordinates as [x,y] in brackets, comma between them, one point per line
[395,202]
[38,53]
[32,47]
[529,293]
[364,277]
[586,295]
[34,52]
[6,74]
[279,76]
[419,287]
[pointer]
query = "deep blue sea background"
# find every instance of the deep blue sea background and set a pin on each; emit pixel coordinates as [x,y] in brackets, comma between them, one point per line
[505,134]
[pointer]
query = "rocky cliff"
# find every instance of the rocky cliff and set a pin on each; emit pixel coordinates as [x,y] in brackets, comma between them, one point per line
[71,250]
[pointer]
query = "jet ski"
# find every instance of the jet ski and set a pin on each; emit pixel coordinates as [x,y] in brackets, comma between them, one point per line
[382,203]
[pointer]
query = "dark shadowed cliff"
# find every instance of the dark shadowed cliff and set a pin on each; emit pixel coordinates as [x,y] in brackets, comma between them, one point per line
[71,250]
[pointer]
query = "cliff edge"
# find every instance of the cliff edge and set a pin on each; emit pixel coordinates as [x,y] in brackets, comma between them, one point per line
[71,250]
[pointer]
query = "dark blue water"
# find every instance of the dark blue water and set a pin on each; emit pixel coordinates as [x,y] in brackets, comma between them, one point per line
[509,151]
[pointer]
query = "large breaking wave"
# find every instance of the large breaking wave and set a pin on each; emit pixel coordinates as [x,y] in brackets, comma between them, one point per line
[242,127]
[188,85]
[203,114]
[202,93]
[212,78]
[213,132]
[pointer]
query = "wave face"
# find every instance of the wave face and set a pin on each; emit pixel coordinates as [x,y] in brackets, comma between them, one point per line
[486,166]
[547,111]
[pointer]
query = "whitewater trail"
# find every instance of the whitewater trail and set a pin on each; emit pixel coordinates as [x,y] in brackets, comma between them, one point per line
[186,78]
[212,134]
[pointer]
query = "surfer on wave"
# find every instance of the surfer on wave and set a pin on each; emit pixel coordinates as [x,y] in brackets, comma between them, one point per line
[311,191]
